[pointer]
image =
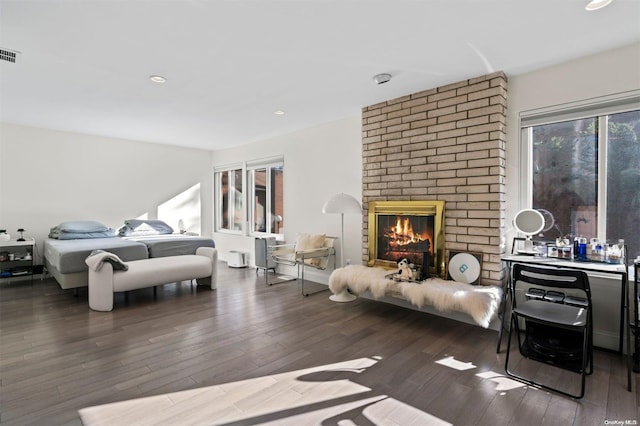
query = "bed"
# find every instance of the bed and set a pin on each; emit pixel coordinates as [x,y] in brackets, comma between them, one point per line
[70,243]
[64,259]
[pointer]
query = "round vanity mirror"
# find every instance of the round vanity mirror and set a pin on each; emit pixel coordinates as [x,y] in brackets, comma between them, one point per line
[529,222]
[549,220]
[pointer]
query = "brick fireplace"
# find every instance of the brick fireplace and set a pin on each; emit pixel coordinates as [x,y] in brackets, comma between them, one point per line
[445,144]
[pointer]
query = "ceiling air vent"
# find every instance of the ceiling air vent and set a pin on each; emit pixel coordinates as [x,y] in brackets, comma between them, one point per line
[8,55]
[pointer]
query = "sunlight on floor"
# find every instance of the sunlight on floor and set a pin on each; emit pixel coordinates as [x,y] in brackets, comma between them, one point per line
[453,363]
[308,396]
[503,383]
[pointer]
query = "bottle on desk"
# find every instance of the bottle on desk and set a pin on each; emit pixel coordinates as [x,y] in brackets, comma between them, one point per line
[614,255]
[623,248]
[594,250]
[604,252]
[582,248]
[563,248]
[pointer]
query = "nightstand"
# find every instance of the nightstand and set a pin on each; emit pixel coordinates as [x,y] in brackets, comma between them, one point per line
[16,259]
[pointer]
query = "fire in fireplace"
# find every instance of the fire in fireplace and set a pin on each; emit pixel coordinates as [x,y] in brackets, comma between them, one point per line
[406,229]
[402,236]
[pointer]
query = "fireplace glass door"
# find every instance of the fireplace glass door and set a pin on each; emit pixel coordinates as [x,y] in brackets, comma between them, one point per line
[401,236]
[406,229]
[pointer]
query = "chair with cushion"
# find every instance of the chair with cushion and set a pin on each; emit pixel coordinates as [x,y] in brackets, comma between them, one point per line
[309,250]
[553,324]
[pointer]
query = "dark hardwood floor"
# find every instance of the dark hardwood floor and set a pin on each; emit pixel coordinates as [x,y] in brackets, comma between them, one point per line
[57,357]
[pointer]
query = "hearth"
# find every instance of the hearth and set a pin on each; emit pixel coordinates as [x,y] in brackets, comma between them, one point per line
[407,229]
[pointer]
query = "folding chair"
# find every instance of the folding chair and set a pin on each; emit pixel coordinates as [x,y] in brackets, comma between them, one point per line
[552,327]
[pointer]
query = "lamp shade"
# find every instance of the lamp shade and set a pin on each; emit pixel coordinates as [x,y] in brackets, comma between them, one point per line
[342,203]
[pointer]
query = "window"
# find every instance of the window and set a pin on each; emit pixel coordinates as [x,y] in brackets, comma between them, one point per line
[266,206]
[584,168]
[263,196]
[229,200]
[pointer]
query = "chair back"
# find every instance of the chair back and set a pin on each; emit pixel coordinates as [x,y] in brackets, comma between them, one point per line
[552,278]
[329,243]
[321,259]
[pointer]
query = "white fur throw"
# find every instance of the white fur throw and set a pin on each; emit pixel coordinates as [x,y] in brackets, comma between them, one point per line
[480,302]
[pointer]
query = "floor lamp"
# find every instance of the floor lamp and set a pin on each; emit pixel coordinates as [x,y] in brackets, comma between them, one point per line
[341,204]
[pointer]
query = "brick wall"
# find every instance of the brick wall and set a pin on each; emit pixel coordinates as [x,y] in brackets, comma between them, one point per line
[444,144]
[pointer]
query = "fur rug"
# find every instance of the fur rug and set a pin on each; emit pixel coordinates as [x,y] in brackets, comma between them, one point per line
[479,302]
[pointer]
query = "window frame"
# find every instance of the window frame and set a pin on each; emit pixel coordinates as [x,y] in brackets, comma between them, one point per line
[268,164]
[599,108]
[248,185]
[218,211]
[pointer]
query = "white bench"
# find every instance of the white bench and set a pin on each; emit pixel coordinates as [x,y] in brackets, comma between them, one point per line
[151,272]
[480,302]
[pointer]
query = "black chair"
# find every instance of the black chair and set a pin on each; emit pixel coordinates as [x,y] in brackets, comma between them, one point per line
[557,330]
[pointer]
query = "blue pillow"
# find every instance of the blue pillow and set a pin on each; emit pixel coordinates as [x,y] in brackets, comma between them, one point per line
[110,233]
[80,226]
[81,229]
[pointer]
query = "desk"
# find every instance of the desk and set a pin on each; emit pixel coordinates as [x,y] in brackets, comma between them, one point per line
[606,268]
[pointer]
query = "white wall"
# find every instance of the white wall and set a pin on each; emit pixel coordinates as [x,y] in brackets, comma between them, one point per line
[47,177]
[607,73]
[318,162]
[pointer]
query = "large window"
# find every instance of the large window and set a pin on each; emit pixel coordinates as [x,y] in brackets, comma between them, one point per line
[261,205]
[585,171]
[266,205]
[229,200]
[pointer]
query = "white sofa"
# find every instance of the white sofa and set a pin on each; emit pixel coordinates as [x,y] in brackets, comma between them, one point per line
[104,282]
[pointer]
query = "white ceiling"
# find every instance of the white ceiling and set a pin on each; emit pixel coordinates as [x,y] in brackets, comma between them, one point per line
[84,64]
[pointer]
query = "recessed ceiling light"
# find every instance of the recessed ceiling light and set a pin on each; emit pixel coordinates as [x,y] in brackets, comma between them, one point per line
[278,112]
[597,4]
[157,79]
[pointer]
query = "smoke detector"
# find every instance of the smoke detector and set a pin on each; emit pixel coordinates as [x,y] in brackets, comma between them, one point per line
[381,78]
